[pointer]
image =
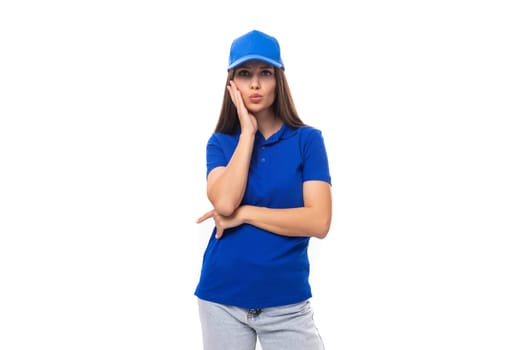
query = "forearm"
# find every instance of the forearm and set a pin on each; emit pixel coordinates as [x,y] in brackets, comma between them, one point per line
[293,222]
[227,189]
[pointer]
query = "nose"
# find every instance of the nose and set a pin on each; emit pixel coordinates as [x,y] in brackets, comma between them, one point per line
[254,83]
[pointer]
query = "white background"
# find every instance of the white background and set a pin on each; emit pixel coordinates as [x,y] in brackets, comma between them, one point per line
[106,107]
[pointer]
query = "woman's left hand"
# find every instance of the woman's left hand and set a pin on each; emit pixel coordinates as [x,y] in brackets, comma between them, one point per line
[221,222]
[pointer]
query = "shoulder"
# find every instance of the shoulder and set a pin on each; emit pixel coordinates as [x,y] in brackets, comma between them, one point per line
[308,134]
[301,132]
[221,138]
[309,130]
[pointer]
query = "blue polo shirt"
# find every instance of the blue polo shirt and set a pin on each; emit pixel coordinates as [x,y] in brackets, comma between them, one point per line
[250,267]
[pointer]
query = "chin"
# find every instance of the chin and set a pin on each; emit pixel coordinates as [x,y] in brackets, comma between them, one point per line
[257,109]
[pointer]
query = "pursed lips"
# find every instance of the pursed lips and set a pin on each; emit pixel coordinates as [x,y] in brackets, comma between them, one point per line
[255,97]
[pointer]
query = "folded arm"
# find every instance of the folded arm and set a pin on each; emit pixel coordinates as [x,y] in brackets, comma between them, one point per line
[311,220]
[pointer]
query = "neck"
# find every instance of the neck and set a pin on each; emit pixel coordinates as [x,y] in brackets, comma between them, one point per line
[268,124]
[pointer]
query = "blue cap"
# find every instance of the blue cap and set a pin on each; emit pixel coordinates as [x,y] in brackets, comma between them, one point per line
[255,45]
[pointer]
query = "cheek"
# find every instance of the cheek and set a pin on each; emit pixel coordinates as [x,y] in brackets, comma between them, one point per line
[243,89]
[272,97]
[272,86]
[273,92]
[242,84]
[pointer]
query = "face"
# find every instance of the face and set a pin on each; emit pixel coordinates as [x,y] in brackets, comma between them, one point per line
[256,82]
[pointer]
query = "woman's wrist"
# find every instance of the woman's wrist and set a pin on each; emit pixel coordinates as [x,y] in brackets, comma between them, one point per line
[243,213]
[248,133]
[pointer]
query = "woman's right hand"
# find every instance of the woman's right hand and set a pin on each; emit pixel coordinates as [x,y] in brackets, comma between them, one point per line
[222,222]
[246,119]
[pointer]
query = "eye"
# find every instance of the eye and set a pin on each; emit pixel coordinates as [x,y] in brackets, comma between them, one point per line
[243,73]
[267,73]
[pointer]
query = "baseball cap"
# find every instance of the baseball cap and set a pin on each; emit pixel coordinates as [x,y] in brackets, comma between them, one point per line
[255,45]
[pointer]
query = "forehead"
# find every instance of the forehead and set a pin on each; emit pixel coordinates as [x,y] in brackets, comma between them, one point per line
[255,64]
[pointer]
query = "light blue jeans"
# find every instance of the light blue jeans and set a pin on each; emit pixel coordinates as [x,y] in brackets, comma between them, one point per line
[289,327]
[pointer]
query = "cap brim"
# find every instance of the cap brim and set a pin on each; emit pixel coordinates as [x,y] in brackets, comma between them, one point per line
[254,57]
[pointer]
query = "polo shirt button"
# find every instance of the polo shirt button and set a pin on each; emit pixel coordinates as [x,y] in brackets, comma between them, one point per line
[263,160]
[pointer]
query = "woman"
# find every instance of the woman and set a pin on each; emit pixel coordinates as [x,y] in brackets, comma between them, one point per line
[269,183]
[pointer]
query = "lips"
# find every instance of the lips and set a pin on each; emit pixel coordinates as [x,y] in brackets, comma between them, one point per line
[255,98]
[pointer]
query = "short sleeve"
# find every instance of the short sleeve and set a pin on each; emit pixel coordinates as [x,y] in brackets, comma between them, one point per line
[215,155]
[315,157]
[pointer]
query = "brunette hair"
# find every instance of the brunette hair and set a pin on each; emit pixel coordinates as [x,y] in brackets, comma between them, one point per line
[283,106]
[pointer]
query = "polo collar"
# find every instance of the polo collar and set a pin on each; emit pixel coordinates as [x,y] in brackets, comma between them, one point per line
[283,133]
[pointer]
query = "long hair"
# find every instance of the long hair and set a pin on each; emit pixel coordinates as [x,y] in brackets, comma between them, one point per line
[283,106]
